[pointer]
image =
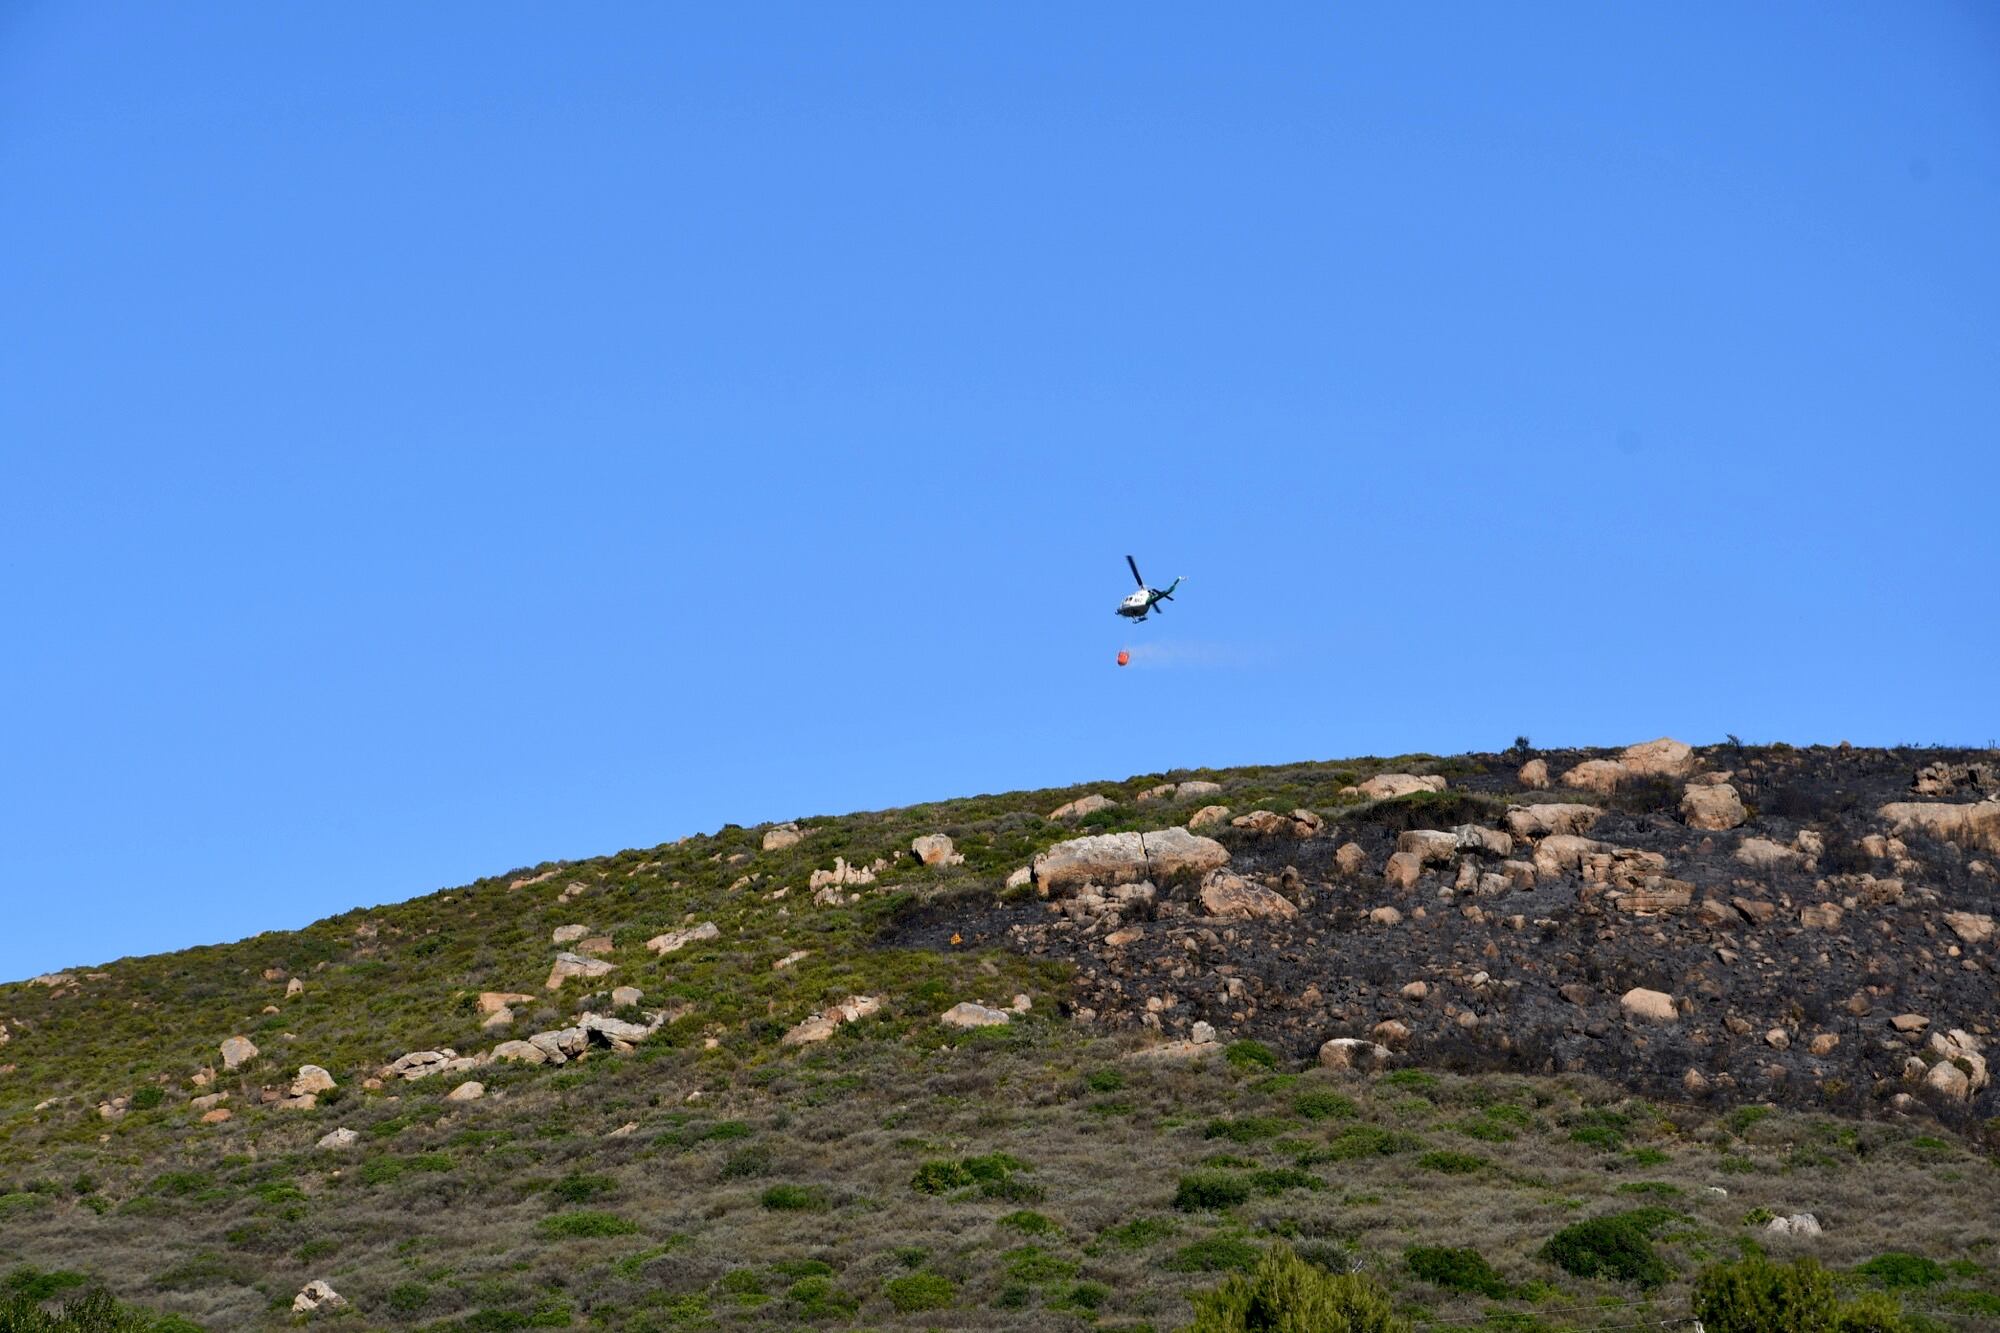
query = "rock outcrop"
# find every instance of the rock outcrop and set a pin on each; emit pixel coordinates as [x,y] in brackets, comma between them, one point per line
[1126,858]
[675,940]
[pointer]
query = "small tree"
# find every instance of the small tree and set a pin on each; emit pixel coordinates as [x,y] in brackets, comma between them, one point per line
[1758,1296]
[1285,1294]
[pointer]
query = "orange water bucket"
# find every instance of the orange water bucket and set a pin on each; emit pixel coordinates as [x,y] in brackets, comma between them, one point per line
[1124,658]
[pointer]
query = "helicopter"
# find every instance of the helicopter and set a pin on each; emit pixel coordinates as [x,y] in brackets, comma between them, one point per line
[1146,599]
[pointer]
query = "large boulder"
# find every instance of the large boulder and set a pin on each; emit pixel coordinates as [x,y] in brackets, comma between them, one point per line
[1715,806]
[521,1052]
[935,849]
[1429,846]
[569,934]
[1539,821]
[1189,790]
[1534,775]
[967,1014]
[237,1052]
[1764,854]
[311,1079]
[1081,806]
[780,836]
[1388,786]
[1972,927]
[1403,870]
[1232,897]
[1126,858]
[1298,824]
[1598,775]
[1207,816]
[569,965]
[1354,1053]
[561,1045]
[1976,825]
[1651,1006]
[1564,853]
[316,1296]
[419,1064]
[1663,758]
[675,940]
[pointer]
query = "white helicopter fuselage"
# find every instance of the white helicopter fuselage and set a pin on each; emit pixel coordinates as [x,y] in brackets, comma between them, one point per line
[1136,604]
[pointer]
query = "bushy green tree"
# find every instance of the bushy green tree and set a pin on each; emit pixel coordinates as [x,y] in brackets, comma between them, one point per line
[1285,1294]
[1755,1295]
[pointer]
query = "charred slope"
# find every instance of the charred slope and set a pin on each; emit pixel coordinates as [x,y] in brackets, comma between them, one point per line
[1817,954]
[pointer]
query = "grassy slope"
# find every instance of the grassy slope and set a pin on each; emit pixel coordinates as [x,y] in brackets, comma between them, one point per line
[454,1215]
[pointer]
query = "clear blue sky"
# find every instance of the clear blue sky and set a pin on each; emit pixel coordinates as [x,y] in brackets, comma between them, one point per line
[438,438]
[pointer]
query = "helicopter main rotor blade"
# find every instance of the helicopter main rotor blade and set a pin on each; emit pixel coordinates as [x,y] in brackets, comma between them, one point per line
[1135,571]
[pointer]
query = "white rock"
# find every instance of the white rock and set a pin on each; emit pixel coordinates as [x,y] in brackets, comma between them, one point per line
[469,1091]
[966,1014]
[1651,1005]
[569,965]
[238,1051]
[935,849]
[317,1295]
[339,1140]
[675,940]
[311,1079]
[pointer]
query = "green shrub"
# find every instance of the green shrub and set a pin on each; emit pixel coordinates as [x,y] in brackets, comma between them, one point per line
[1285,1294]
[920,1291]
[1619,1247]
[37,1285]
[1029,1223]
[818,1298]
[1451,1163]
[584,1223]
[941,1178]
[1323,1105]
[408,1298]
[1032,1263]
[1105,1080]
[1216,1254]
[1743,1117]
[1140,1232]
[1897,1270]
[992,1173]
[1457,1270]
[1084,1298]
[1414,1080]
[578,1188]
[754,1160]
[91,1312]
[795,1199]
[1210,1191]
[1246,1129]
[148,1097]
[1755,1295]
[1277,1180]
[1362,1141]
[1871,1312]
[1251,1055]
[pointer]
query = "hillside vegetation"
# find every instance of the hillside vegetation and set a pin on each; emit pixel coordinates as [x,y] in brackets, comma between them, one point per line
[1386,1027]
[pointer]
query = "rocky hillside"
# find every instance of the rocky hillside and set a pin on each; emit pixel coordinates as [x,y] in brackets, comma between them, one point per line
[1062,1057]
[1809,927]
